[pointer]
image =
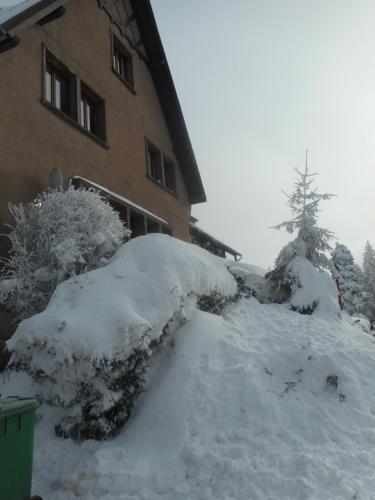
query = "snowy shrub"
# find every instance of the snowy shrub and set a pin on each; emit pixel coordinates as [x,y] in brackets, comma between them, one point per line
[350,279]
[216,302]
[87,352]
[213,303]
[369,282]
[250,280]
[311,242]
[61,234]
[311,290]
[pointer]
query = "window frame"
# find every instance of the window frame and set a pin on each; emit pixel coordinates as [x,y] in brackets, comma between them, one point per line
[168,161]
[118,46]
[73,116]
[52,66]
[150,147]
[164,159]
[97,106]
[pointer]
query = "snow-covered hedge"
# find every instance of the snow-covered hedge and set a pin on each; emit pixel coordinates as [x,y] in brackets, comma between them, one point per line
[61,234]
[88,350]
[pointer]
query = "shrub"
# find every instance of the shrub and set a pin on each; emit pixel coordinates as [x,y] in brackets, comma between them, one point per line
[59,235]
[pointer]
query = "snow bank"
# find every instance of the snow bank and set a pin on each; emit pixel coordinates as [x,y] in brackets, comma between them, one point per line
[107,312]
[313,290]
[239,409]
[90,348]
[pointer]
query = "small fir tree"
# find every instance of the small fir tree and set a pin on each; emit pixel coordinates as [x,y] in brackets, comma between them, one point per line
[312,241]
[350,279]
[369,281]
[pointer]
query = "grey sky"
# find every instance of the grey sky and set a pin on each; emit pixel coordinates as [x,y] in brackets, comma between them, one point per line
[260,81]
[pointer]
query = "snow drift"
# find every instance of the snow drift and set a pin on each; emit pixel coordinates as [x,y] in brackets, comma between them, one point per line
[241,408]
[312,290]
[89,349]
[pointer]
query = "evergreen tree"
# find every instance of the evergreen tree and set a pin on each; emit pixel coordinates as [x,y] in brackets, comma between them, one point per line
[369,281]
[350,279]
[311,242]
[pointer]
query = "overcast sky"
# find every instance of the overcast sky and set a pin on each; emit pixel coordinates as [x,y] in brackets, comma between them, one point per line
[260,81]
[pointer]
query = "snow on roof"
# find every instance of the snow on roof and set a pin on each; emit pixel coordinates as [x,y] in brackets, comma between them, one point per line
[8,12]
[122,198]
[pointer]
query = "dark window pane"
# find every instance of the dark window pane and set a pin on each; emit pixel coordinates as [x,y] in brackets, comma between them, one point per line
[122,62]
[137,224]
[155,167]
[152,226]
[166,230]
[169,175]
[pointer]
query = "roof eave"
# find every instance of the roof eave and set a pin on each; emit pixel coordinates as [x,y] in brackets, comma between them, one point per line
[31,16]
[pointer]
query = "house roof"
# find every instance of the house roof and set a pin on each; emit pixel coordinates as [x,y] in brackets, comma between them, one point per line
[13,20]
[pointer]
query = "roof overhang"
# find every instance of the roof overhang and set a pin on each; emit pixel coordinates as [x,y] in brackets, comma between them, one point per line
[16,19]
[81,182]
[195,230]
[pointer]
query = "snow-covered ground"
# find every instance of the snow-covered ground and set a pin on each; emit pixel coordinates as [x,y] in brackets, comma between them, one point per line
[260,403]
[239,408]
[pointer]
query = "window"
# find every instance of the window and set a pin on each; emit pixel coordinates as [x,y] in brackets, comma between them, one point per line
[91,115]
[155,168]
[166,230]
[152,226]
[160,168]
[137,224]
[122,62]
[65,92]
[57,87]
[169,174]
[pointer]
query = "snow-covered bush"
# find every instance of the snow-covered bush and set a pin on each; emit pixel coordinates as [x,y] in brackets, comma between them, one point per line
[61,234]
[369,282]
[350,279]
[311,243]
[88,350]
[312,290]
[250,280]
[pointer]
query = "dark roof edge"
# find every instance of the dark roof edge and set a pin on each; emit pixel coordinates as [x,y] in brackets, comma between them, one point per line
[169,101]
[31,15]
[223,246]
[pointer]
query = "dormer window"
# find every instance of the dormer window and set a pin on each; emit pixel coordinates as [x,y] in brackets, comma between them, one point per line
[122,63]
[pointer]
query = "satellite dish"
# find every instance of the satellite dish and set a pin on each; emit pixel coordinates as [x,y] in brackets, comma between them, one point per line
[55,179]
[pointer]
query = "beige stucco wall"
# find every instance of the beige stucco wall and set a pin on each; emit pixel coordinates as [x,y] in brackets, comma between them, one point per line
[33,140]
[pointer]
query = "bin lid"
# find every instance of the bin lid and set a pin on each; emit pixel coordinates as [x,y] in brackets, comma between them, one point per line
[15,405]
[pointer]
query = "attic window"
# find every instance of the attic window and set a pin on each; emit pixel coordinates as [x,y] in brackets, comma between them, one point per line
[122,63]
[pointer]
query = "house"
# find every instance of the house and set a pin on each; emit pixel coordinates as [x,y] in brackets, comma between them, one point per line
[86,95]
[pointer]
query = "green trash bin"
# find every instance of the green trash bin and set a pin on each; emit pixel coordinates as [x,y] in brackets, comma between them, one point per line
[16,447]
